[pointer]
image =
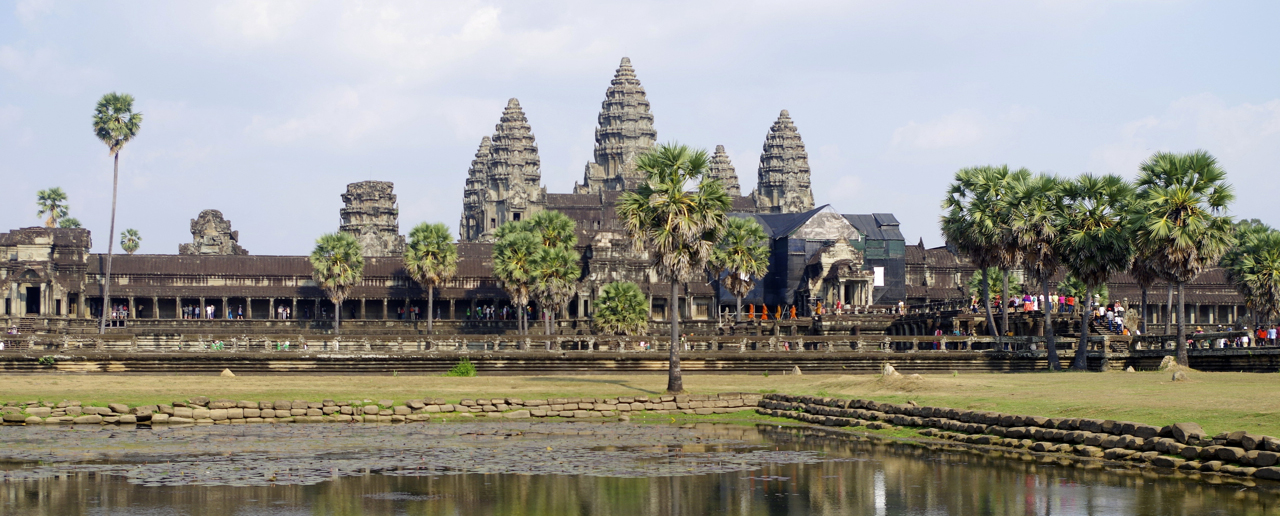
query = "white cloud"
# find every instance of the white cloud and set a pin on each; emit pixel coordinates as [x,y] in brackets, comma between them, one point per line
[957,129]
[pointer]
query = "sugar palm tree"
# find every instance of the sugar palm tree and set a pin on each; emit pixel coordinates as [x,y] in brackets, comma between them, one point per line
[337,265]
[69,222]
[511,265]
[53,203]
[555,229]
[1182,222]
[621,308]
[679,227]
[555,273]
[743,256]
[1145,275]
[431,259]
[975,222]
[1253,266]
[130,240]
[1035,215]
[115,123]
[1095,240]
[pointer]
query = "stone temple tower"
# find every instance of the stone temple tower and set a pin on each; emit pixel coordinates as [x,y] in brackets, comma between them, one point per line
[505,180]
[370,213]
[783,185]
[625,130]
[721,168]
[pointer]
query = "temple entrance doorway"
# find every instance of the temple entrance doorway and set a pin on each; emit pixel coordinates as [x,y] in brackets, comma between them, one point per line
[33,300]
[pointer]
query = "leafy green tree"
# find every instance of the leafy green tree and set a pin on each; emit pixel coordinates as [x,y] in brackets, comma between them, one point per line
[1035,215]
[679,227]
[743,256]
[1096,241]
[69,222]
[53,203]
[1182,223]
[115,124]
[621,308]
[555,273]
[975,222]
[130,240]
[1072,286]
[1253,266]
[431,259]
[512,255]
[337,265]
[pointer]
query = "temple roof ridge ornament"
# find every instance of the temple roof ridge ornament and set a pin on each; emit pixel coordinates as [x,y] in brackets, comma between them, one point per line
[211,234]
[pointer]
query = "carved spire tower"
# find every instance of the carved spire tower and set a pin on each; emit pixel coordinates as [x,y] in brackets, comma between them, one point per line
[505,180]
[721,168]
[625,130]
[370,213]
[783,185]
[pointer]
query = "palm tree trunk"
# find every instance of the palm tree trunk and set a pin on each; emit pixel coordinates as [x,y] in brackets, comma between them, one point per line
[1143,325]
[675,380]
[1081,363]
[986,300]
[431,298]
[738,316]
[337,316]
[106,281]
[1004,302]
[1169,304]
[1182,330]
[1050,343]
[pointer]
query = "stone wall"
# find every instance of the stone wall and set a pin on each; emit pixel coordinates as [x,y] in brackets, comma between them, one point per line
[1183,446]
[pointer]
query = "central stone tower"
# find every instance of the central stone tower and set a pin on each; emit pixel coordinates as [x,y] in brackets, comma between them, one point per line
[783,185]
[369,213]
[626,130]
[504,183]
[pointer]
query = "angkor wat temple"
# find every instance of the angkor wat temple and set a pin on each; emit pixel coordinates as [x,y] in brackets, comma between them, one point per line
[818,254]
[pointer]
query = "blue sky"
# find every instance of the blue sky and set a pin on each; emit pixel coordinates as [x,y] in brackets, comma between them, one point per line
[267,110]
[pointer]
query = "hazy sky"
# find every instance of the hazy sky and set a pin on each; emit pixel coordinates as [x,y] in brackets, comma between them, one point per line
[267,110]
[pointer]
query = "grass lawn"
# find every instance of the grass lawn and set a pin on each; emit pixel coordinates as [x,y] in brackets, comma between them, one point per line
[1218,401]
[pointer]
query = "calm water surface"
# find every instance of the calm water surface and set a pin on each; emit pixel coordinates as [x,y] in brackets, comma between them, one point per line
[567,468]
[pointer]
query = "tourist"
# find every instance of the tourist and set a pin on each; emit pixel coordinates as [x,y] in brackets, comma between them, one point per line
[1071,304]
[1271,336]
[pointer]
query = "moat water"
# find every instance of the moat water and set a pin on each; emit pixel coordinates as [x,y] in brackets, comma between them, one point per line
[569,468]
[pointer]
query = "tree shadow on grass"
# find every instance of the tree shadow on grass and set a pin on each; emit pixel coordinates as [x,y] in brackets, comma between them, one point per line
[620,383]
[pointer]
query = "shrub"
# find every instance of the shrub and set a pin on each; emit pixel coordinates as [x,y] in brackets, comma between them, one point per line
[464,369]
[48,360]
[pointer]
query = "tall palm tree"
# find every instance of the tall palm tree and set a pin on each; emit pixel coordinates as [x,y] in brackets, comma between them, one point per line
[337,265]
[976,224]
[679,227]
[69,222]
[555,229]
[115,123]
[621,308]
[1095,240]
[555,273]
[130,240]
[51,202]
[511,265]
[1253,266]
[1035,214]
[431,259]
[743,256]
[1182,222]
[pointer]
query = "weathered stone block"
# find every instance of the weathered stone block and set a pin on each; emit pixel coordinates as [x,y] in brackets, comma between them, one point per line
[218,414]
[1167,462]
[1270,473]
[314,412]
[1231,454]
[519,414]
[222,404]
[297,412]
[1260,458]
[1187,433]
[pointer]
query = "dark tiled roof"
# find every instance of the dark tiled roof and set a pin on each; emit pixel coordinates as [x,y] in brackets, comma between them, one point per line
[876,226]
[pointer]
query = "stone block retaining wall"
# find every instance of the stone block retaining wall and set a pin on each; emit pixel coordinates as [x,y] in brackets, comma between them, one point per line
[1182,446]
[202,410]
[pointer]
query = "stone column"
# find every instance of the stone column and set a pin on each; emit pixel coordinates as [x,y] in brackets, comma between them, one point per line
[452,313]
[1195,316]
[293,308]
[133,312]
[80,305]
[385,315]
[362,316]
[271,308]
[155,307]
[407,316]
[224,313]
[248,308]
